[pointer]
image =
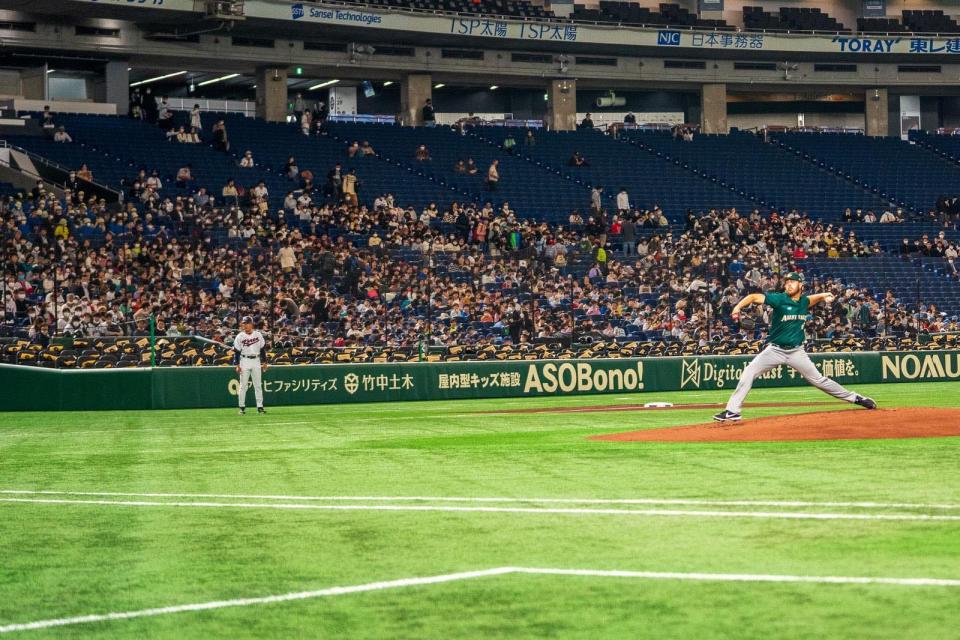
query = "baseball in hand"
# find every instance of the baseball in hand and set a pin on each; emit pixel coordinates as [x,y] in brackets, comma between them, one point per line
[829,298]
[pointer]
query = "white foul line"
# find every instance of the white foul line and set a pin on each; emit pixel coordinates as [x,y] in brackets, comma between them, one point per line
[625,501]
[469,575]
[744,577]
[245,602]
[527,510]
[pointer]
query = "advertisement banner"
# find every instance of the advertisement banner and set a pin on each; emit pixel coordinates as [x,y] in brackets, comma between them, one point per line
[710,5]
[34,388]
[480,27]
[928,366]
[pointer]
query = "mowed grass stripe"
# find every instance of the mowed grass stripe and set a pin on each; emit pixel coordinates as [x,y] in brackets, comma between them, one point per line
[623,501]
[511,510]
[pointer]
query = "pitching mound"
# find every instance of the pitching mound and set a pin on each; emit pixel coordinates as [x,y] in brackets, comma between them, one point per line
[855,424]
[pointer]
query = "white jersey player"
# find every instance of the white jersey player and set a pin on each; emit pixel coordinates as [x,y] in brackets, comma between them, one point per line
[247,347]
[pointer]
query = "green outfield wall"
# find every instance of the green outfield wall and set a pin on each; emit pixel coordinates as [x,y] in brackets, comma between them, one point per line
[37,389]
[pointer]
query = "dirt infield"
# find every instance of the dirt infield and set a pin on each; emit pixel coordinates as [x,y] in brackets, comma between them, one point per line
[640,407]
[857,424]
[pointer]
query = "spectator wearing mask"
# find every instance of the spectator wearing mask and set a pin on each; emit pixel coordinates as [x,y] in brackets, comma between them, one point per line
[39,334]
[596,198]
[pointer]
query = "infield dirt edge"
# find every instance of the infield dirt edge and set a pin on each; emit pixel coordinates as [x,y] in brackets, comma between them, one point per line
[903,422]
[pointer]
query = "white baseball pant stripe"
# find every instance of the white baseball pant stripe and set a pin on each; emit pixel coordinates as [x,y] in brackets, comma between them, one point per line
[250,368]
[772,357]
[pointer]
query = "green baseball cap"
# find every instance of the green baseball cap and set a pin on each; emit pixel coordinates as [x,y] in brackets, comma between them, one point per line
[793,275]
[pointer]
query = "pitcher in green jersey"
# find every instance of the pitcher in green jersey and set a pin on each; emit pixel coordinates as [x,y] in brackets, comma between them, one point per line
[785,345]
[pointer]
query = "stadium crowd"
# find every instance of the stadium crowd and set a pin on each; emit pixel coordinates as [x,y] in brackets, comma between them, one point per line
[322,269]
[328,271]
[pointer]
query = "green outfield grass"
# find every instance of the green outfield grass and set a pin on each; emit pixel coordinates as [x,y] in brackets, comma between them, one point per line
[68,558]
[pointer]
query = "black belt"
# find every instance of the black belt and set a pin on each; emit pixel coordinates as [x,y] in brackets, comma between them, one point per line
[251,357]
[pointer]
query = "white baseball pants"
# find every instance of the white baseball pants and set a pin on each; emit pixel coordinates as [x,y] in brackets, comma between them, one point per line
[250,368]
[772,357]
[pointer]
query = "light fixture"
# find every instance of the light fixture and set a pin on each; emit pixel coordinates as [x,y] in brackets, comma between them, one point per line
[546,96]
[50,70]
[226,77]
[439,85]
[129,68]
[323,84]
[149,80]
[388,83]
[494,87]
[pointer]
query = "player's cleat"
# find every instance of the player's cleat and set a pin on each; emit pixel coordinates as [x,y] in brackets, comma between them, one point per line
[243,411]
[866,403]
[260,410]
[726,416]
